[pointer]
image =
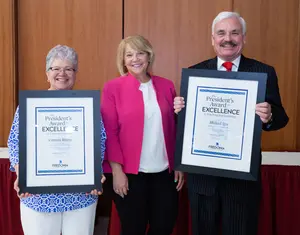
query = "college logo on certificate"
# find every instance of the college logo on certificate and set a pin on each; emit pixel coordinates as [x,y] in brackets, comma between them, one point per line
[218,131]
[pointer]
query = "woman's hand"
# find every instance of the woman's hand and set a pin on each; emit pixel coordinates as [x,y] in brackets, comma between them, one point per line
[179,177]
[95,191]
[16,184]
[178,104]
[16,187]
[120,183]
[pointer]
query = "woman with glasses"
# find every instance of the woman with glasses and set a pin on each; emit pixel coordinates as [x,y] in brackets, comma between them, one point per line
[53,214]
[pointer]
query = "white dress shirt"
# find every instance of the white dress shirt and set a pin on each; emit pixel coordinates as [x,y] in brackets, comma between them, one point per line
[235,65]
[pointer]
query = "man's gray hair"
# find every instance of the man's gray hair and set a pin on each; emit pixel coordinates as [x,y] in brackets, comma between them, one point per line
[228,14]
[64,53]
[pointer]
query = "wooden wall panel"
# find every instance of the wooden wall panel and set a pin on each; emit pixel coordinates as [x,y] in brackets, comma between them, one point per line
[273,38]
[297,101]
[92,27]
[7,68]
[178,30]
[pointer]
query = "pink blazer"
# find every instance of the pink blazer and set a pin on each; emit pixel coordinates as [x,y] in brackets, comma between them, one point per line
[122,109]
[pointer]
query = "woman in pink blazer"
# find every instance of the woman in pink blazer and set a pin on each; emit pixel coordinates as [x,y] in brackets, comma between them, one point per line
[137,109]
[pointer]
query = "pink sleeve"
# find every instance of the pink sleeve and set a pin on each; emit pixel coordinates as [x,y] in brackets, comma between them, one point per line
[173,91]
[110,120]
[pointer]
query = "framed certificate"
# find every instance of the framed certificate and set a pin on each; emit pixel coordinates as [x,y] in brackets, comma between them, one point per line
[59,141]
[218,132]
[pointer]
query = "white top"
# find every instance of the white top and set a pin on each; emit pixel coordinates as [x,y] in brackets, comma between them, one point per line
[235,65]
[154,154]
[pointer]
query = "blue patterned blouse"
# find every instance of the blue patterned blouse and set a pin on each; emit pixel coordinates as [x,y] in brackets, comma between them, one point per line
[49,202]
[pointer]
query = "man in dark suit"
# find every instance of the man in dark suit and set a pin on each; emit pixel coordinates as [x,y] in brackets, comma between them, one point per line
[232,204]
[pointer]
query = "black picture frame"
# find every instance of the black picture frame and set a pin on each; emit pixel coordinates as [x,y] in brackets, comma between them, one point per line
[23,141]
[255,163]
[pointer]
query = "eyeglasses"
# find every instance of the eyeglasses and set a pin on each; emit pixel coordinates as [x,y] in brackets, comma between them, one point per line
[66,70]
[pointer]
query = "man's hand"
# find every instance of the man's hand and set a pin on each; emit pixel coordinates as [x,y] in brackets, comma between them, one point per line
[263,110]
[178,104]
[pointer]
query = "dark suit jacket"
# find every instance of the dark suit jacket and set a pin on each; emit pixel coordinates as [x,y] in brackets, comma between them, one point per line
[204,184]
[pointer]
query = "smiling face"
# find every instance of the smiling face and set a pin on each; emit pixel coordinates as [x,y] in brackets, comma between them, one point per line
[136,62]
[61,75]
[228,39]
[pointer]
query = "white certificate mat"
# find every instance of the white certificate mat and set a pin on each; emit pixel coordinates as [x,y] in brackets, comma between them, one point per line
[218,115]
[59,139]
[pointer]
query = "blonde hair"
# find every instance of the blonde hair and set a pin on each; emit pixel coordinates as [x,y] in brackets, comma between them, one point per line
[138,43]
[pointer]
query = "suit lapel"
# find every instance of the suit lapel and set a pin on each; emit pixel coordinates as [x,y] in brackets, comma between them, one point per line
[245,64]
[212,64]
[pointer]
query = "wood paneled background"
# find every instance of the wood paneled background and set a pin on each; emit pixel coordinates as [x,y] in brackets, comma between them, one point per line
[92,27]
[180,32]
[8,88]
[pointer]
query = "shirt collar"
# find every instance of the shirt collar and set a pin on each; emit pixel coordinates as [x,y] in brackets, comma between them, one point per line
[235,62]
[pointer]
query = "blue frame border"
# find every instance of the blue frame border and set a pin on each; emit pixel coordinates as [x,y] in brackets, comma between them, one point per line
[216,154]
[60,109]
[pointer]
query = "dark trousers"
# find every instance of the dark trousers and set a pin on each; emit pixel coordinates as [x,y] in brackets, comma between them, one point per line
[105,200]
[224,212]
[152,198]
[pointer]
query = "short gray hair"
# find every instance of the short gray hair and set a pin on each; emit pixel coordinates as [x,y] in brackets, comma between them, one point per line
[228,14]
[64,53]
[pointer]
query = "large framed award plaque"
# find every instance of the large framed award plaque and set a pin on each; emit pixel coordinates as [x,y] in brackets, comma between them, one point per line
[59,141]
[218,132]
